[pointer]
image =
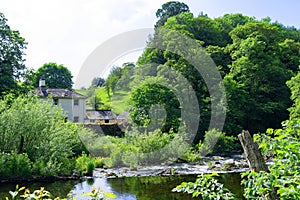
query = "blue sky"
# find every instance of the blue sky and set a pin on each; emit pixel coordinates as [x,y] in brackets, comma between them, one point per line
[67,31]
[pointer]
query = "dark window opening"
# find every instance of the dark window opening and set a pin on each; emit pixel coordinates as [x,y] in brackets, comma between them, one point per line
[76,119]
[55,101]
[76,102]
[106,121]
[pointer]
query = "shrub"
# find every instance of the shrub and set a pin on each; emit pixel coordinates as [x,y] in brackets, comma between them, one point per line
[206,187]
[38,128]
[216,142]
[15,165]
[85,164]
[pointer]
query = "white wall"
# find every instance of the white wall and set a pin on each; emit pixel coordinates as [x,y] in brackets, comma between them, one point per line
[73,110]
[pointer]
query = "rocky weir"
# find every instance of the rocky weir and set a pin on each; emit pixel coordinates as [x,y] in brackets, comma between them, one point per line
[218,164]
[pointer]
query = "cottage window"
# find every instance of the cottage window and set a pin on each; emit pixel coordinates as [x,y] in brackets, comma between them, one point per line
[76,119]
[76,102]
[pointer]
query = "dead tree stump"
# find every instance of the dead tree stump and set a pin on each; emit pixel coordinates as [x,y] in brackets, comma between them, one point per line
[254,157]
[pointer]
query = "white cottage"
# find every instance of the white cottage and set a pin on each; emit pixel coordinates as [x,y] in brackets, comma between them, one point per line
[73,103]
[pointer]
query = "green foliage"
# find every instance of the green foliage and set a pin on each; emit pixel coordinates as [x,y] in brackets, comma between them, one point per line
[138,148]
[294,85]
[56,76]
[14,165]
[94,194]
[205,186]
[168,10]
[148,94]
[97,98]
[97,194]
[42,127]
[216,142]
[112,79]
[85,164]
[37,128]
[97,82]
[12,68]
[255,57]
[283,145]
[260,71]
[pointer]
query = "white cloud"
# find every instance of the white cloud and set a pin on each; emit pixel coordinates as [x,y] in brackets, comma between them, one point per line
[66,31]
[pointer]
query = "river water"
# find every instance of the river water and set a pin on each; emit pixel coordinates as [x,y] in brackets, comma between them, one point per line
[128,188]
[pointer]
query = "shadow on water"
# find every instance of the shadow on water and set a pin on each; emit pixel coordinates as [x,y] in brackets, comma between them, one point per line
[130,188]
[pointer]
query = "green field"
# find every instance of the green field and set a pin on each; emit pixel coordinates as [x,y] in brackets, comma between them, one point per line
[117,101]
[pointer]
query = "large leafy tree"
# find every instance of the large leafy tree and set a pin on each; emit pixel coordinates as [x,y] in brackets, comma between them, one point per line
[56,76]
[257,63]
[145,101]
[170,9]
[112,79]
[12,67]
[97,82]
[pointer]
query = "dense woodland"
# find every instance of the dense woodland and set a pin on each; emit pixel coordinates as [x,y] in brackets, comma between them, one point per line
[255,59]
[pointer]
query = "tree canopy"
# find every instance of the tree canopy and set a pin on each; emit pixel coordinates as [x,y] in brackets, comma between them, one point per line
[12,68]
[56,76]
[170,9]
[255,58]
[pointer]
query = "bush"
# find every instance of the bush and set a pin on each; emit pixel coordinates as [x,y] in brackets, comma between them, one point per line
[138,148]
[216,142]
[206,187]
[38,128]
[14,165]
[85,164]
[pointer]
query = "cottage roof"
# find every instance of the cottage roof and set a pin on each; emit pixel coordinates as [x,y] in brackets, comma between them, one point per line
[100,114]
[59,93]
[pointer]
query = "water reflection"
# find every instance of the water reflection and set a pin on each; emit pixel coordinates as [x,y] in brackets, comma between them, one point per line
[131,188]
[152,187]
[104,185]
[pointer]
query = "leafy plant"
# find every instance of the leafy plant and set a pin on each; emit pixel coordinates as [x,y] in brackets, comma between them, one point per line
[85,164]
[14,165]
[284,173]
[216,142]
[205,186]
[95,194]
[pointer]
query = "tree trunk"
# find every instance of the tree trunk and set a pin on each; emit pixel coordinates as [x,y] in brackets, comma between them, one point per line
[254,157]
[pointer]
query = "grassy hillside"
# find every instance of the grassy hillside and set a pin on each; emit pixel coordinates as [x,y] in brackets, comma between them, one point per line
[117,102]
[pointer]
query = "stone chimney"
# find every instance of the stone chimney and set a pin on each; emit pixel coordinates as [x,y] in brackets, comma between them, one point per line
[42,86]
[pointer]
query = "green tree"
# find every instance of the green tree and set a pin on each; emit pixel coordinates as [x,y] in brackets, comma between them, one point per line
[148,94]
[257,64]
[170,9]
[255,58]
[97,82]
[11,58]
[56,76]
[112,79]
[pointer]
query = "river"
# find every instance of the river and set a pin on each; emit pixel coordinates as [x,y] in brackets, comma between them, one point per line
[129,188]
